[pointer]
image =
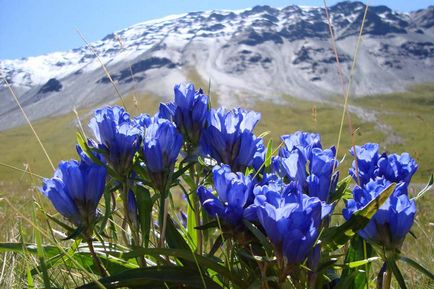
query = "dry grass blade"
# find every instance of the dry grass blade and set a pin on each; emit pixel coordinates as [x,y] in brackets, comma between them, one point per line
[27,120]
[353,66]
[346,88]
[103,66]
[20,170]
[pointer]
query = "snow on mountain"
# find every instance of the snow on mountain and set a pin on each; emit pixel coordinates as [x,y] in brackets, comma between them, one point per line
[262,52]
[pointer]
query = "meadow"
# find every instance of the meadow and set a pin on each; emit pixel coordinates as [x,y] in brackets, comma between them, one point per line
[402,122]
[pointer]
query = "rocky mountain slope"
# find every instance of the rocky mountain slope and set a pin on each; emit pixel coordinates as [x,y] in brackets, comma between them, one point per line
[258,53]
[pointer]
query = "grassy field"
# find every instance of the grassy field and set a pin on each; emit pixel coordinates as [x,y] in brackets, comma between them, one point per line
[402,122]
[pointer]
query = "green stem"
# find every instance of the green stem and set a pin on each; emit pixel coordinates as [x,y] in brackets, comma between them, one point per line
[163,219]
[96,259]
[387,278]
[127,219]
[196,208]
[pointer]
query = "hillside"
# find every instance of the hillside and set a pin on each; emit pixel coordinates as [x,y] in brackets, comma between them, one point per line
[251,55]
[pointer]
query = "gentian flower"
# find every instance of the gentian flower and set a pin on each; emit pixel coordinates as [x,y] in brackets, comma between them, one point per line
[189,111]
[303,161]
[229,138]
[320,181]
[143,121]
[161,147]
[304,141]
[233,193]
[75,190]
[393,219]
[117,136]
[367,159]
[371,165]
[290,219]
[397,168]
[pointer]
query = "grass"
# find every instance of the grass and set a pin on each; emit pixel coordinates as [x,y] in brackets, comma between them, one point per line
[409,115]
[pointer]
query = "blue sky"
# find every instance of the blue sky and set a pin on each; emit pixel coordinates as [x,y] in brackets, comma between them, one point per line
[33,27]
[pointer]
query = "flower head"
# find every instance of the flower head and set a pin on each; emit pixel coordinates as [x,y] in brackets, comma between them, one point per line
[233,193]
[75,190]
[162,144]
[229,138]
[290,219]
[371,165]
[117,136]
[304,141]
[397,168]
[303,161]
[393,219]
[366,167]
[189,111]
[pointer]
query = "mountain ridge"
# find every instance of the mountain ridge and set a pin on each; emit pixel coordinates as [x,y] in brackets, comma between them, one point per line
[249,54]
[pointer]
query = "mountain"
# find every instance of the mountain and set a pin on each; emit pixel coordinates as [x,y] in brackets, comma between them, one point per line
[259,53]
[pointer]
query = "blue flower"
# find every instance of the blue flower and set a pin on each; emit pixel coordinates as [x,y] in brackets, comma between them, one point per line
[303,161]
[397,168]
[393,219]
[162,144]
[371,165]
[75,190]
[117,136]
[290,219]
[233,192]
[189,111]
[143,121]
[320,181]
[229,138]
[304,141]
[366,167]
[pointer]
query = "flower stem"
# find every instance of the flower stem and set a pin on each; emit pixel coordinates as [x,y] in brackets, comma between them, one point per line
[387,278]
[96,259]
[163,219]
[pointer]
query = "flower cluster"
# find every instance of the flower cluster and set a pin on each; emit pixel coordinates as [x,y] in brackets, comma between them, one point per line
[263,203]
[290,218]
[374,173]
[301,150]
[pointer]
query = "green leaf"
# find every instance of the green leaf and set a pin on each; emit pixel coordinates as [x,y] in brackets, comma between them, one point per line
[346,281]
[49,251]
[174,238]
[362,262]
[396,273]
[417,266]
[107,204]
[358,254]
[107,254]
[269,153]
[191,220]
[209,225]
[335,237]
[88,151]
[264,134]
[40,252]
[260,236]
[182,170]
[203,262]
[155,278]
[144,206]
[341,189]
